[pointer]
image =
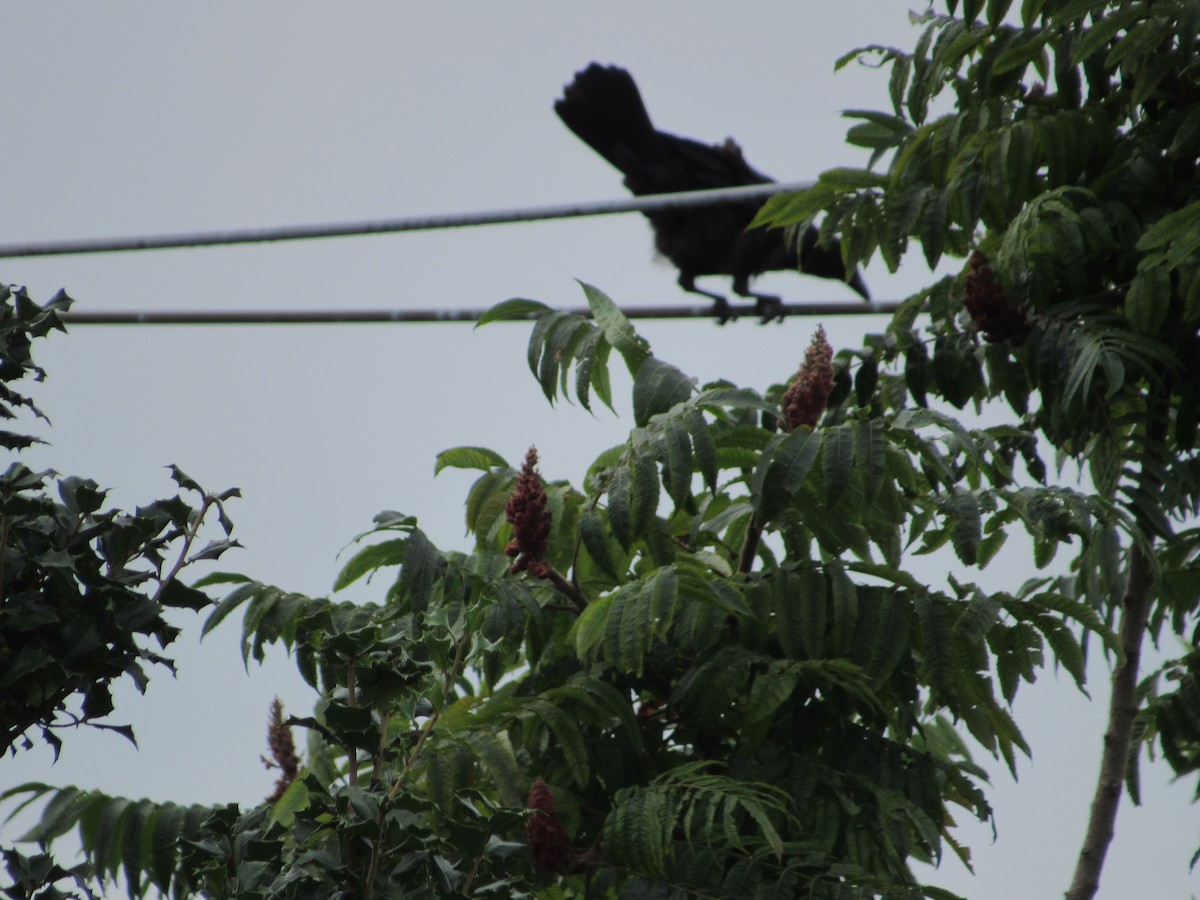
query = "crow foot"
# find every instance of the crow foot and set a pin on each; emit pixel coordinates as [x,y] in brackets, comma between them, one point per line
[768,308]
[722,311]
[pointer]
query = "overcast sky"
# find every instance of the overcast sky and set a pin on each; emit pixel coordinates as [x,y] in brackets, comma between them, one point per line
[152,118]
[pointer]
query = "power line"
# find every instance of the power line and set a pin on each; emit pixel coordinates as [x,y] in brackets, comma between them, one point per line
[386,226]
[373,316]
[415,223]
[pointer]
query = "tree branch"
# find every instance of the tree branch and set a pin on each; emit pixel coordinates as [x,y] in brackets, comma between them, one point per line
[1123,707]
[749,546]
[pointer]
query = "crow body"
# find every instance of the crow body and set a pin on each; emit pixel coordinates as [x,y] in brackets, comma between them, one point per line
[605,110]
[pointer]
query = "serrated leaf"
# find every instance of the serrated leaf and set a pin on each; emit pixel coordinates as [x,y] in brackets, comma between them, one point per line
[1104,30]
[938,644]
[495,752]
[783,467]
[657,387]
[515,308]
[978,618]
[1021,53]
[422,564]
[568,738]
[677,461]
[853,179]
[597,544]
[469,458]
[164,844]
[1149,300]
[369,559]
[794,207]
[617,329]
[591,626]
[967,526]
[844,605]
[813,612]
[836,462]
[704,447]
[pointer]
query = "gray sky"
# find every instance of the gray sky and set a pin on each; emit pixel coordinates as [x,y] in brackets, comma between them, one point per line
[141,118]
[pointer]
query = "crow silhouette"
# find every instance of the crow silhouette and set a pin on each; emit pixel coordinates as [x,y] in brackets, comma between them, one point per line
[605,110]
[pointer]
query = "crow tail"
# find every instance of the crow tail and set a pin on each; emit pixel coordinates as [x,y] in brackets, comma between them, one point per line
[604,108]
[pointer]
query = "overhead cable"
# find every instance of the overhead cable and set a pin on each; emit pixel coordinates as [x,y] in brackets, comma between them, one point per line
[387,226]
[363,316]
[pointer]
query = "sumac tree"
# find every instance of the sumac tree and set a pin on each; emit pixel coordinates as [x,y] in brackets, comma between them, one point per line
[711,667]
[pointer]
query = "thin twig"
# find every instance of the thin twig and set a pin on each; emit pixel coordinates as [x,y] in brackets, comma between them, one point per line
[205,504]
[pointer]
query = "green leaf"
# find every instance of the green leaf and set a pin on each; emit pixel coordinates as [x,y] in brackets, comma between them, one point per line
[853,179]
[704,447]
[164,844]
[1021,53]
[592,625]
[568,738]
[512,309]
[294,799]
[794,207]
[996,11]
[179,595]
[813,612]
[469,458]
[495,752]
[967,528]
[369,559]
[784,466]
[844,606]
[596,542]
[1149,300]
[617,329]
[937,642]
[837,462]
[980,615]
[60,815]
[633,497]
[422,565]
[1104,30]
[657,387]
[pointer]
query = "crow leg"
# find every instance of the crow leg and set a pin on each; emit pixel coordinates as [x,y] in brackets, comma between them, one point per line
[721,307]
[767,306]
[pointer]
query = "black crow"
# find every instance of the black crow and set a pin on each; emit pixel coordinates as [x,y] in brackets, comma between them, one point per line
[603,107]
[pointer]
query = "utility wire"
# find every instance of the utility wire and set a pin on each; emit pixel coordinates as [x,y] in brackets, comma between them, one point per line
[352,316]
[649,203]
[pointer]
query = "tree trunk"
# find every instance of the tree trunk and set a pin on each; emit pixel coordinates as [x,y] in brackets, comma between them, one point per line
[1122,710]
